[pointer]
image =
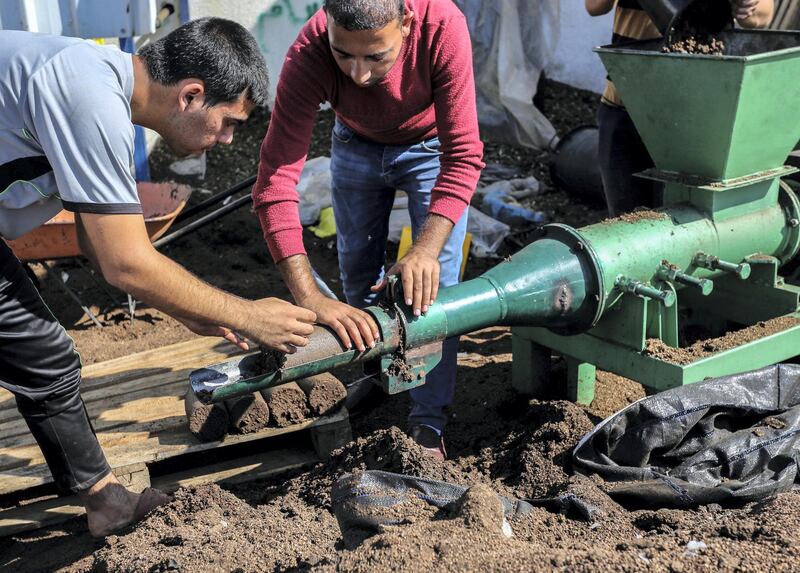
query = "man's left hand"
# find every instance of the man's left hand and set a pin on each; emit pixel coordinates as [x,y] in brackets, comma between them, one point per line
[419,272]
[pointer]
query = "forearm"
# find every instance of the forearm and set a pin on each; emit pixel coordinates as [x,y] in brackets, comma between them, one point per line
[762,16]
[599,7]
[434,235]
[298,276]
[170,288]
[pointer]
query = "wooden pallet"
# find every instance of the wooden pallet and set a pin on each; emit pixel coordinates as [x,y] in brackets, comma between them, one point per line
[136,405]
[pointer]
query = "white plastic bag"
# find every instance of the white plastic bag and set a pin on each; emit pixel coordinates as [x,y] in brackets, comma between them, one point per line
[314,189]
[192,165]
[487,233]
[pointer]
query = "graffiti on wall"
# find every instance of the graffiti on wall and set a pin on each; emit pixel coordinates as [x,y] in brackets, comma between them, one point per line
[293,13]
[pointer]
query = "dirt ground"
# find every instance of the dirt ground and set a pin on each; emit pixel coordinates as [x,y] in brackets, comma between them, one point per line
[516,447]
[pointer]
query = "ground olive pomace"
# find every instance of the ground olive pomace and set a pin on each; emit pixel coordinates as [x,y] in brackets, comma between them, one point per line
[324,392]
[207,422]
[638,215]
[702,348]
[287,404]
[247,414]
[696,45]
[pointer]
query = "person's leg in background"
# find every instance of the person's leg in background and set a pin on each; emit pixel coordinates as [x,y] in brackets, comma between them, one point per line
[362,203]
[39,365]
[621,154]
[414,171]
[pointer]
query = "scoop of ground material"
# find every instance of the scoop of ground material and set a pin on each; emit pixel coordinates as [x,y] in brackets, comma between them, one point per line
[480,508]
[207,422]
[248,413]
[706,45]
[325,393]
[287,404]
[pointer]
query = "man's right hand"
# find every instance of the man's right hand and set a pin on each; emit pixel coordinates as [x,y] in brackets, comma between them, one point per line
[277,324]
[353,326]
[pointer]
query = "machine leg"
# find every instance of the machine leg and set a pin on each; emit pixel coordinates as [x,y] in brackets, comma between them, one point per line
[530,369]
[330,437]
[580,381]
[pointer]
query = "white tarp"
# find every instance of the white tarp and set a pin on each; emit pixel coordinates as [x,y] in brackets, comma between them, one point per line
[512,42]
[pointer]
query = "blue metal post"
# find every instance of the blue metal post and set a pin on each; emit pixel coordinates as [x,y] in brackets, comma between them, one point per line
[184,11]
[140,160]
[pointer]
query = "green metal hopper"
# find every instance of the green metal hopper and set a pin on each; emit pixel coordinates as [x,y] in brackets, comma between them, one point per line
[713,117]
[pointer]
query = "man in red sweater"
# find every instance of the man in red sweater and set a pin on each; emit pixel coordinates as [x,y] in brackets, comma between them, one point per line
[399,76]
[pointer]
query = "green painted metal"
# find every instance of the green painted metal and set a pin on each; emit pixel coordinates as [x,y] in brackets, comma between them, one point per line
[565,280]
[702,260]
[580,381]
[544,284]
[664,296]
[669,272]
[657,374]
[636,250]
[718,117]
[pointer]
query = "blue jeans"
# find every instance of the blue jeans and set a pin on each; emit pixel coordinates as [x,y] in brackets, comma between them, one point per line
[365,176]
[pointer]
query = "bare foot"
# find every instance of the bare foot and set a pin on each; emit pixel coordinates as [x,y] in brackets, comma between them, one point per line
[110,506]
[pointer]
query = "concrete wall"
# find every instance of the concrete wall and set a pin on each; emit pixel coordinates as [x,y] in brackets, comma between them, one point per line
[574,63]
[274,23]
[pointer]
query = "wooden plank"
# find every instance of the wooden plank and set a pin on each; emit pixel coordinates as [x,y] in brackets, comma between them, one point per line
[140,371]
[125,448]
[128,401]
[240,470]
[56,510]
[136,403]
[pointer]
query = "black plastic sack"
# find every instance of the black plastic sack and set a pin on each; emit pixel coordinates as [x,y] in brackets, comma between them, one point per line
[358,498]
[733,438]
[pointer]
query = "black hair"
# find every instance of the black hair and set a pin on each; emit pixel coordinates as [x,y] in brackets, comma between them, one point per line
[353,15]
[220,52]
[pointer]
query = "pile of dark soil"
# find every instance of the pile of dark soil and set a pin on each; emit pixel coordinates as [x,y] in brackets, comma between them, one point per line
[513,446]
[288,526]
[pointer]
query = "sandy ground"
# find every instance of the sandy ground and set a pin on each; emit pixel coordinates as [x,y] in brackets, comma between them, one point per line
[515,446]
[511,444]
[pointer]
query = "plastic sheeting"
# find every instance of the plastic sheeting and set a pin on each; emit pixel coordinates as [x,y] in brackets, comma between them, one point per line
[356,497]
[734,438]
[512,42]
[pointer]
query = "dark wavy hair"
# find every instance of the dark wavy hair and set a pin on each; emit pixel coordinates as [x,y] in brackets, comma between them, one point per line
[220,52]
[353,15]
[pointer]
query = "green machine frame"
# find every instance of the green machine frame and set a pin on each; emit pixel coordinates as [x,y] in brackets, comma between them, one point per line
[718,129]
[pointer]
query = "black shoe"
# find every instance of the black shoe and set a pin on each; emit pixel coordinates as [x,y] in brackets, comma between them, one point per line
[429,439]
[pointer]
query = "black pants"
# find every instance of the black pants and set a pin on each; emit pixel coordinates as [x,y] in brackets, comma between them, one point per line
[621,153]
[39,365]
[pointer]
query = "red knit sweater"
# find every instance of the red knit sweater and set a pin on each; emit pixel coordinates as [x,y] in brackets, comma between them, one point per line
[429,91]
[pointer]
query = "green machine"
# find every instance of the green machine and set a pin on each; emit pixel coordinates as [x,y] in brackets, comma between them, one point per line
[719,129]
